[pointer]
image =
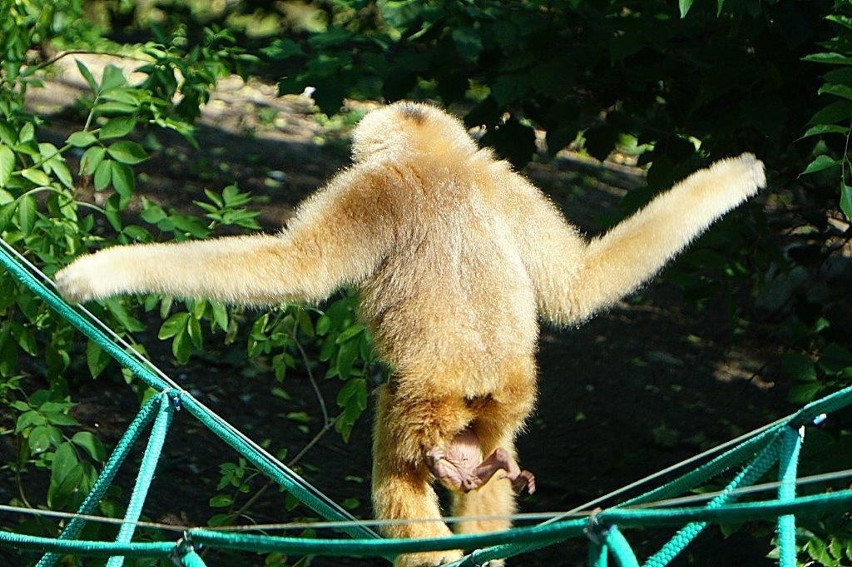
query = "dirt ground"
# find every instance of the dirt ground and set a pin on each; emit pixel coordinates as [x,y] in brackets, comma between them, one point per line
[637,389]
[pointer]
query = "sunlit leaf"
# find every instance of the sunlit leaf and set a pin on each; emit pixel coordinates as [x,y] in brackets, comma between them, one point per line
[87,75]
[821,163]
[127,152]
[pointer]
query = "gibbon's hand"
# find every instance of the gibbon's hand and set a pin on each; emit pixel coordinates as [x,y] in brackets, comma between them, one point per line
[89,277]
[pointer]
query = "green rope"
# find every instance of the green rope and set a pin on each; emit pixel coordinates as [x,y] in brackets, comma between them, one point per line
[192,559]
[68,313]
[146,475]
[776,441]
[99,488]
[286,477]
[293,483]
[747,476]
[620,549]
[788,465]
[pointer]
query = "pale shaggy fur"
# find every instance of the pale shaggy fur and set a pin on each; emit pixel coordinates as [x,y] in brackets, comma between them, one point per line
[455,257]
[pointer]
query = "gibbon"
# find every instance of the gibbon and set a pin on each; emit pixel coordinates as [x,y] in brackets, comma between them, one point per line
[455,257]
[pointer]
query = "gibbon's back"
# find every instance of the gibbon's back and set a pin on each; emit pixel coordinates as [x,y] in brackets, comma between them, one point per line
[453,291]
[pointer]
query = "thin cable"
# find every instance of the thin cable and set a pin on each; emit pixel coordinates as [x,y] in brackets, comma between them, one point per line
[226,427]
[92,318]
[520,517]
[591,504]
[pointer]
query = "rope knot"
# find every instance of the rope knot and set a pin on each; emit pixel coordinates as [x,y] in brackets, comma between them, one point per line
[594,530]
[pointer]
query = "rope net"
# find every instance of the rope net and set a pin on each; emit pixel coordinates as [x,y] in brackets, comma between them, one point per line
[749,458]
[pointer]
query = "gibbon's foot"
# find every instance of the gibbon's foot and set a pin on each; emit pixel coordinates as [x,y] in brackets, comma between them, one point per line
[461,466]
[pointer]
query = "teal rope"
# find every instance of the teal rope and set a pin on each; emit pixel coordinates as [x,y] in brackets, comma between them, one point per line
[711,469]
[99,488]
[191,559]
[146,474]
[788,465]
[543,533]
[504,542]
[828,404]
[609,541]
[839,501]
[72,316]
[292,482]
[90,548]
[286,477]
[748,476]
[598,554]
[620,548]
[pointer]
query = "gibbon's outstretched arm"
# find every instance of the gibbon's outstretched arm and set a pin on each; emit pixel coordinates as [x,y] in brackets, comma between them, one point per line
[333,240]
[617,263]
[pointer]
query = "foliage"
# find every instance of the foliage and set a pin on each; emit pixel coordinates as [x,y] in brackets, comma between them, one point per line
[641,77]
[46,211]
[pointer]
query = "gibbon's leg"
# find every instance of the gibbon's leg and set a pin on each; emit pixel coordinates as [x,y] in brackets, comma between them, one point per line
[499,418]
[635,249]
[401,483]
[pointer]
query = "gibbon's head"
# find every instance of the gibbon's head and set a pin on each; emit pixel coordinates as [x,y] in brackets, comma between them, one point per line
[405,127]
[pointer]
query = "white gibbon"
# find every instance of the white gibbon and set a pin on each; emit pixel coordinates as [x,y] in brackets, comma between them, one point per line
[455,257]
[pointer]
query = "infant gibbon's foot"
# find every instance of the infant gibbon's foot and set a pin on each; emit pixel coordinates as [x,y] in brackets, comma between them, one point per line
[461,466]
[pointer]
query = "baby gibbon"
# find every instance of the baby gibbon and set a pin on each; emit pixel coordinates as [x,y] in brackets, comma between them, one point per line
[455,257]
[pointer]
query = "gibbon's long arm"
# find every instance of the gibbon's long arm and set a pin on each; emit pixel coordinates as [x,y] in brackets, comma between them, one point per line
[334,239]
[615,264]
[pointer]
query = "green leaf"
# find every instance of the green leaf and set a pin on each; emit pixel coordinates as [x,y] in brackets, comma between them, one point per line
[127,152]
[81,139]
[349,333]
[116,108]
[27,133]
[113,77]
[96,359]
[42,437]
[26,213]
[117,128]
[837,90]
[103,174]
[820,163]
[829,58]
[87,75]
[123,179]
[91,159]
[835,359]
[221,501]
[346,357]
[91,444]
[822,129]
[684,6]
[193,330]
[7,164]
[839,111]
[173,325]
[220,314]
[798,366]
[282,49]
[118,309]
[37,176]
[29,419]
[354,393]
[468,42]
[846,199]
